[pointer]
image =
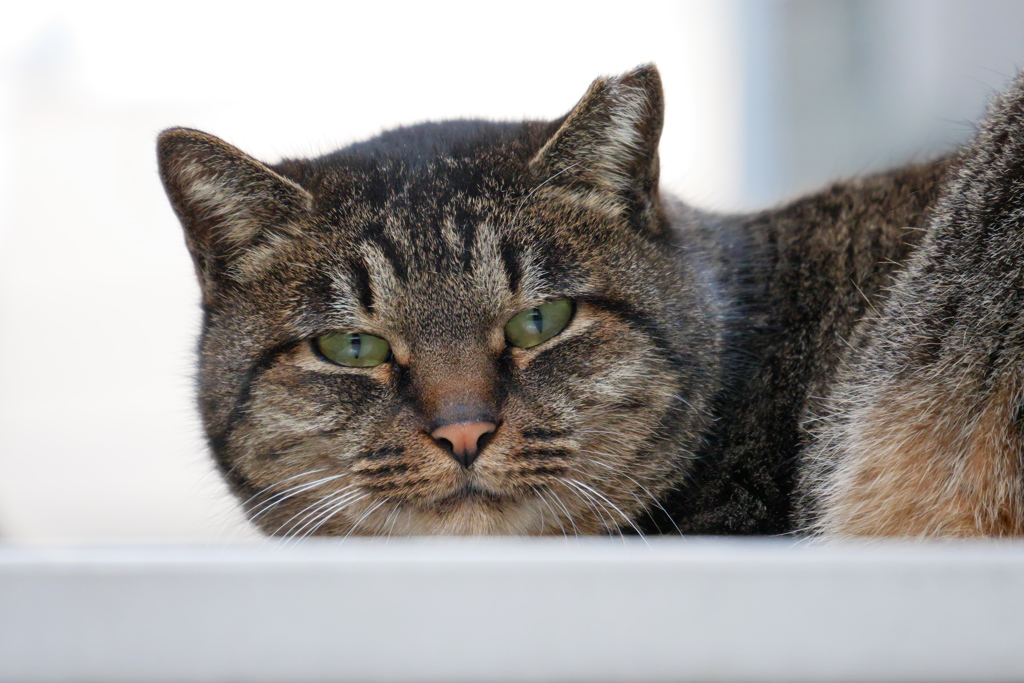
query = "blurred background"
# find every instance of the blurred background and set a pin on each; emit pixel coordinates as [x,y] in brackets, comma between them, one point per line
[98,304]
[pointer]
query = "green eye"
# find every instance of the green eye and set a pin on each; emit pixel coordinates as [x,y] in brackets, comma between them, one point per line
[537,325]
[356,350]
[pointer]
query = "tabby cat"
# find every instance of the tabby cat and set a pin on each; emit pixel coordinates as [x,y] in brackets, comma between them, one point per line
[471,327]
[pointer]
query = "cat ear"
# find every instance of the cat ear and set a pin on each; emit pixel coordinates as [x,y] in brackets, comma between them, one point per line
[227,201]
[609,141]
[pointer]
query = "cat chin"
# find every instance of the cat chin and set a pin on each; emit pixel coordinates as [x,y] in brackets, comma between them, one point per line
[466,515]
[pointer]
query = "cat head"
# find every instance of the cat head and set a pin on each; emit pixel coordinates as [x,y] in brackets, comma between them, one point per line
[462,327]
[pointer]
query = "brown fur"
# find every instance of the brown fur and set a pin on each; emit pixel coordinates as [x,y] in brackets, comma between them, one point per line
[920,434]
[934,462]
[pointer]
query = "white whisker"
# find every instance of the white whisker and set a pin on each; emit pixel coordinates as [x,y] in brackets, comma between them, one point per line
[277,499]
[365,515]
[331,513]
[596,506]
[312,509]
[641,486]
[615,507]
[568,515]
[392,517]
[547,504]
[264,490]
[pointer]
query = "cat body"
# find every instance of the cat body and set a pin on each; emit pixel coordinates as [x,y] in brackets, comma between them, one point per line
[701,378]
[922,431]
[803,276]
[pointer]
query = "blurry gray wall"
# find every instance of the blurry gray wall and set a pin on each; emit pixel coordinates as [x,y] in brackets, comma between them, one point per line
[838,87]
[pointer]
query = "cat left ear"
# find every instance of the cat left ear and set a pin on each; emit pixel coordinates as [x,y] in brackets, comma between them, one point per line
[227,201]
[609,142]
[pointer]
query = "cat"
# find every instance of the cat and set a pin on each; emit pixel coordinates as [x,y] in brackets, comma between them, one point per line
[471,327]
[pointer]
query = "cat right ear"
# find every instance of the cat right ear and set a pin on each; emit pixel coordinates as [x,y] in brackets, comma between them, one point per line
[227,201]
[607,146]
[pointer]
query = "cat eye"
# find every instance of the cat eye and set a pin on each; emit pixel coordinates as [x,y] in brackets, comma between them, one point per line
[354,349]
[536,325]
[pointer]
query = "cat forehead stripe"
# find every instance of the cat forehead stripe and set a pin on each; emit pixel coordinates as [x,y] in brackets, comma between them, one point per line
[360,283]
[386,272]
[386,251]
[510,260]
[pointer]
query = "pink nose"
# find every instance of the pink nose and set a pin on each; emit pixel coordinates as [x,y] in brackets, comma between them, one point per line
[464,439]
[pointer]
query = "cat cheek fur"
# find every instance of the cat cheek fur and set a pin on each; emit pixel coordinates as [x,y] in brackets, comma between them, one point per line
[564,459]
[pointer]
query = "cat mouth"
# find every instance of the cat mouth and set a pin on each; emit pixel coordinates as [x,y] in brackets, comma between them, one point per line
[471,493]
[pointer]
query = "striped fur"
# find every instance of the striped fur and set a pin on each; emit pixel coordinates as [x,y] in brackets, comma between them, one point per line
[921,434]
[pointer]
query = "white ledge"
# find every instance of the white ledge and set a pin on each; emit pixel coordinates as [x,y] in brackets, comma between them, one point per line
[514,610]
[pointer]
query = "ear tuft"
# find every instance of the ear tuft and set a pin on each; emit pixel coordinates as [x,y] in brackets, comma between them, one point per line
[609,141]
[226,200]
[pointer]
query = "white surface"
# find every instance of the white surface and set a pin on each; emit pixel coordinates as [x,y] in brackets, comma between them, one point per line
[514,610]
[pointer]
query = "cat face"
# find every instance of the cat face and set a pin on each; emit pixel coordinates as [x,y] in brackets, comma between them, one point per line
[457,328]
